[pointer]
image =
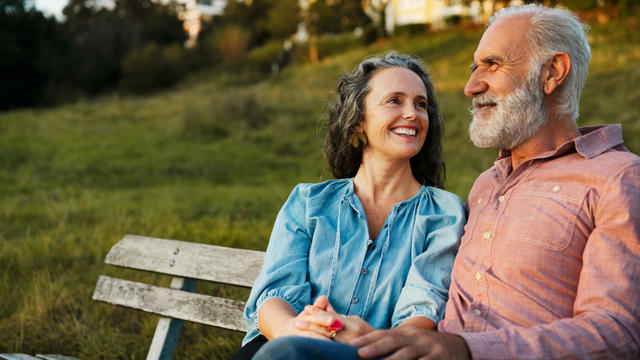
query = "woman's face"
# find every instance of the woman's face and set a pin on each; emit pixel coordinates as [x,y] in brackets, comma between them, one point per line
[395,115]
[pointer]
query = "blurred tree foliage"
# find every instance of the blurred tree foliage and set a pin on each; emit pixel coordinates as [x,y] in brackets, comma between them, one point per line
[44,62]
[29,64]
[137,44]
[336,16]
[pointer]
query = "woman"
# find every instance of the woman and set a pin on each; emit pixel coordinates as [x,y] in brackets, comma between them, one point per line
[380,240]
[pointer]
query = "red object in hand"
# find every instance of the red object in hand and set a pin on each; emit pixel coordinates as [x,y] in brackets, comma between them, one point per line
[336,326]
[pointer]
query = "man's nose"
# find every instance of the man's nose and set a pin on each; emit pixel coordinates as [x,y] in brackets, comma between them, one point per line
[475,85]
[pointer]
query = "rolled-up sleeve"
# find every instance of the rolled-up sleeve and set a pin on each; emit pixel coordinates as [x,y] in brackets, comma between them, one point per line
[606,313]
[284,272]
[426,288]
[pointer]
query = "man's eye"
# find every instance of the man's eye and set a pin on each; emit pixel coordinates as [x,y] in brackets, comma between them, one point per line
[393,100]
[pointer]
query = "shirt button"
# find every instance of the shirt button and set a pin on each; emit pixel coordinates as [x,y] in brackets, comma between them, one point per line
[354,299]
[556,188]
[478,312]
[363,271]
[487,235]
[478,276]
[369,242]
[501,198]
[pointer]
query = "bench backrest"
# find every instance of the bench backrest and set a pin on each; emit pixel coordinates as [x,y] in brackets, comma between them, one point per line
[187,262]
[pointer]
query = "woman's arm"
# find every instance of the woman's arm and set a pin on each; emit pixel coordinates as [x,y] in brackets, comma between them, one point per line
[420,322]
[284,273]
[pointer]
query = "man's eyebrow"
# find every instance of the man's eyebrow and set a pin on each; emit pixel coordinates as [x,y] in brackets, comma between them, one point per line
[486,60]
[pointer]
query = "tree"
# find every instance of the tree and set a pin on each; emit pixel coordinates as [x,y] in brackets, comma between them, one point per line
[29,61]
[249,16]
[377,9]
[336,16]
[283,18]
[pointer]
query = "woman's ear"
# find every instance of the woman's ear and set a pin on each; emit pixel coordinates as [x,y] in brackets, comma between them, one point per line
[559,66]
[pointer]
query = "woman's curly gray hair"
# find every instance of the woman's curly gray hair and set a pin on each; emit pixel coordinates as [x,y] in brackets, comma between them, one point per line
[346,112]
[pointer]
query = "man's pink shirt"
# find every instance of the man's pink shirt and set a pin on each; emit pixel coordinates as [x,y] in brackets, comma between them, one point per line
[549,265]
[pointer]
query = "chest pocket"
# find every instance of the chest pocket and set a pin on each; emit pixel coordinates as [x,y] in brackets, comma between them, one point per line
[544,214]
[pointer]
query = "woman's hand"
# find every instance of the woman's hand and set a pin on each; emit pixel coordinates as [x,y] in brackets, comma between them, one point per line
[291,328]
[321,315]
[277,318]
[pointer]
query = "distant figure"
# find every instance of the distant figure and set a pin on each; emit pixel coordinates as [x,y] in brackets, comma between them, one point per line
[378,243]
[549,265]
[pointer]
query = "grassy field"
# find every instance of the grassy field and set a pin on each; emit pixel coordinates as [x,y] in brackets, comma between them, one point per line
[209,161]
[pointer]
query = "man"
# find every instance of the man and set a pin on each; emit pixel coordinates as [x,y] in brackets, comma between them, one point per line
[549,266]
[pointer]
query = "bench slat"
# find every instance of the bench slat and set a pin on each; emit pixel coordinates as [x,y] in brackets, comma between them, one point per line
[187,259]
[204,309]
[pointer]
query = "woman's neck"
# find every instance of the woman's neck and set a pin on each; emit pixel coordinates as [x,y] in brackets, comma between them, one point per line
[381,181]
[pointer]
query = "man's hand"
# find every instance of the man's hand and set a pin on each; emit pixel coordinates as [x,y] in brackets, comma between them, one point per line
[408,342]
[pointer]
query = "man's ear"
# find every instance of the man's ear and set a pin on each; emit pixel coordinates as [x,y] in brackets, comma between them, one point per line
[559,66]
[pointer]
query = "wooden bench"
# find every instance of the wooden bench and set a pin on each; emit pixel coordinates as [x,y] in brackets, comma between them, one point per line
[186,262]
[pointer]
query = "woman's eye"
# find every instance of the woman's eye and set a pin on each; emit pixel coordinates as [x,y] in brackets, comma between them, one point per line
[393,100]
[422,104]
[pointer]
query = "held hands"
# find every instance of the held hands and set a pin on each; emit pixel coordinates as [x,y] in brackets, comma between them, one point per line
[409,342]
[320,318]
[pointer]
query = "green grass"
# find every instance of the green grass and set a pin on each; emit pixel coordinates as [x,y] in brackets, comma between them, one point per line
[209,161]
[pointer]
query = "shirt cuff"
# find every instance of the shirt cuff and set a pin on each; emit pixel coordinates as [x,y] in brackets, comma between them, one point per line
[486,345]
[296,304]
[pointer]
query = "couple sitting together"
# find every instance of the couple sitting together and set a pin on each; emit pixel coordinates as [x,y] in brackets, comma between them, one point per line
[543,259]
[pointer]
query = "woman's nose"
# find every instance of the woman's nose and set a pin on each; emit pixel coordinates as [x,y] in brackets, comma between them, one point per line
[409,112]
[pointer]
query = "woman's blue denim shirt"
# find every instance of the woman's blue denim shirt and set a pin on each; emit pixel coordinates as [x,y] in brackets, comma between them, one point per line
[320,245]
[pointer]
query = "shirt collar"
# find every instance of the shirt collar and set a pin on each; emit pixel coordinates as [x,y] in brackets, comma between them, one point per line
[593,141]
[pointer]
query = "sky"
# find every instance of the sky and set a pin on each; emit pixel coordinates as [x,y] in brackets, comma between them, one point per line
[51,7]
[54,7]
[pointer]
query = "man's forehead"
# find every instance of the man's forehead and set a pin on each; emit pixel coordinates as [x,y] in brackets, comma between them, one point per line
[503,37]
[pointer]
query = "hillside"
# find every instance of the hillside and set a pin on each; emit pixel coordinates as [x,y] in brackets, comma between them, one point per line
[211,161]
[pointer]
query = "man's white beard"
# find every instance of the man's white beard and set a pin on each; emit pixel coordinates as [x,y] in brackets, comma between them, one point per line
[515,118]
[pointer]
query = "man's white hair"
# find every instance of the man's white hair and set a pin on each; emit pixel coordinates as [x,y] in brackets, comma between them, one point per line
[556,30]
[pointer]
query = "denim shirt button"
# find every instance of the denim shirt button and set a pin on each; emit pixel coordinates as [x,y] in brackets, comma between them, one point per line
[354,299]
[364,271]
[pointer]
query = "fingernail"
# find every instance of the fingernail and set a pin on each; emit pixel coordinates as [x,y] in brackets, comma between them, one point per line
[365,351]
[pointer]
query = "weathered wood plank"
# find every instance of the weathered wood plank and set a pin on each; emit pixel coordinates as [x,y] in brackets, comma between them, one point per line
[55,357]
[187,259]
[204,309]
[165,338]
[17,357]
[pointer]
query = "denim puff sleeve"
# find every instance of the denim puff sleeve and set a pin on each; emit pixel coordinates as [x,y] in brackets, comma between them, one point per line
[284,272]
[426,288]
